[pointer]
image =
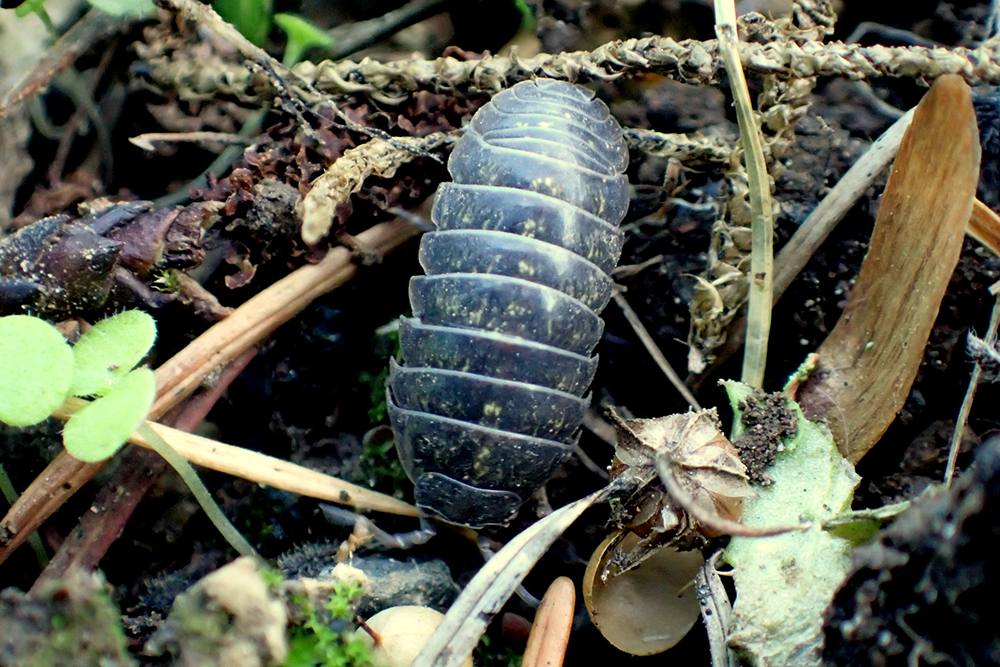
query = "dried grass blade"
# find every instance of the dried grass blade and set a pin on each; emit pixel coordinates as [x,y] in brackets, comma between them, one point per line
[468,617]
[868,362]
[762,227]
[261,468]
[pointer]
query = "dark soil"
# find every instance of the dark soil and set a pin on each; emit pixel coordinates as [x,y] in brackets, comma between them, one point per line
[314,394]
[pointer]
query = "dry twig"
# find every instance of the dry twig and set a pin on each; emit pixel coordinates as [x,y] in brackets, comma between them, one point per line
[184,373]
[654,350]
[970,393]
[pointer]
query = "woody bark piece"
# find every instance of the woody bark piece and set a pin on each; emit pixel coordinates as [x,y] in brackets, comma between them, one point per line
[868,362]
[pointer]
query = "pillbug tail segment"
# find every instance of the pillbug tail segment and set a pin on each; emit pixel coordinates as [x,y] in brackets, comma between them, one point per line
[465,505]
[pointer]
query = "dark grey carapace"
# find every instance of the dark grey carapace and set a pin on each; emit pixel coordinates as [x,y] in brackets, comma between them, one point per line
[489,398]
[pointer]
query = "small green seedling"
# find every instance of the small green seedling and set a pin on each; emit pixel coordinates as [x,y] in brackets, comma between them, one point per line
[135,8]
[251,17]
[325,638]
[302,36]
[39,371]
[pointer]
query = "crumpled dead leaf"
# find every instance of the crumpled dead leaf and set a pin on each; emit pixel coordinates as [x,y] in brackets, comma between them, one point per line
[703,463]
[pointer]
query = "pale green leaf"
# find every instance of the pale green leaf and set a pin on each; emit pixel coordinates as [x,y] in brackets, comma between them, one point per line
[302,36]
[784,583]
[97,431]
[36,366]
[112,348]
[137,8]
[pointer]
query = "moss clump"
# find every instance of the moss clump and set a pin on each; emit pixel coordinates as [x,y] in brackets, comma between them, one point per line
[68,622]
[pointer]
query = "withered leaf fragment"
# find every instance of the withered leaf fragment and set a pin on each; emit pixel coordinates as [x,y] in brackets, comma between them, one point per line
[333,189]
[56,266]
[61,267]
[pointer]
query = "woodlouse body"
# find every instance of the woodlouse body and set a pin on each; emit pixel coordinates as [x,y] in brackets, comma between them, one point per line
[489,398]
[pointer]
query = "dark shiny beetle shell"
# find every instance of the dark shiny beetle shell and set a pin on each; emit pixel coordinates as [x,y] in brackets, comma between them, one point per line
[489,398]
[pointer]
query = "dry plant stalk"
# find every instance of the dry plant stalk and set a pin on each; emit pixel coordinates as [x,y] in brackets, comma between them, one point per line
[256,319]
[689,61]
[762,222]
[970,393]
[868,362]
[274,472]
[817,227]
[553,623]
[738,263]
[262,469]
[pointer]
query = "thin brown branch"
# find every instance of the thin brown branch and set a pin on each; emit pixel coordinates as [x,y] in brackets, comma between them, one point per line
[181,375]
[970,393]
[256,319]
[835,205]
[118,499]
[86,544]
[92,28]
[654,350]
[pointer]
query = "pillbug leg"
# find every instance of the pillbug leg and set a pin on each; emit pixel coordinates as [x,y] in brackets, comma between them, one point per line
[373,534]
[486,550]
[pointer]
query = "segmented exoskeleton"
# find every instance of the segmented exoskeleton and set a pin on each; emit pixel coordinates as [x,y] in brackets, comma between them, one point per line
[489,399]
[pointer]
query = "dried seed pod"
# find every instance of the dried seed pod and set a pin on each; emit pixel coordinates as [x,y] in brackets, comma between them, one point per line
[649,609]
[704,469]
[489,397]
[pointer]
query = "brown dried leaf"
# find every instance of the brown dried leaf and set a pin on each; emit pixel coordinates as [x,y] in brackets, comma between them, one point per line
[867,364]
[704,458]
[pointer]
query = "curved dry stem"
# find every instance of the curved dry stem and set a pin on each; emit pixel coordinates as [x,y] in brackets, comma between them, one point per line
[762,226]
[664,467]
[198,490]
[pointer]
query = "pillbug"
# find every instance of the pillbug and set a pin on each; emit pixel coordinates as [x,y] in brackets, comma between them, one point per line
[488,400]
